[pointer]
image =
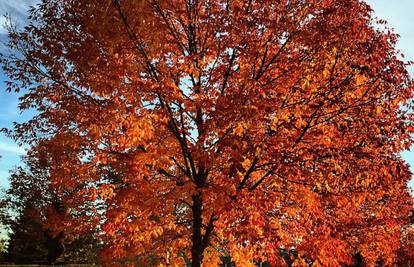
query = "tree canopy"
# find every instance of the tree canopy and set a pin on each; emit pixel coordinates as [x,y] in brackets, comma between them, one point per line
[189,130]
[30,209]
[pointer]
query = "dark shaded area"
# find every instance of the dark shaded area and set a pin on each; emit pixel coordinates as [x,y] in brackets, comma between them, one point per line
[55,246]
[27,241]
[26,210]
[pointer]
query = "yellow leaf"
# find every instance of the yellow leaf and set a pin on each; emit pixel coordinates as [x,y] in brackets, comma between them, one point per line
[239,130]
[360,79]
[246,164]
[378,109]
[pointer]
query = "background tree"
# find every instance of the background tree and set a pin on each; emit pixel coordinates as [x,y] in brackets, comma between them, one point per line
[27,209]
[406,252]
[23,209]
[220,128]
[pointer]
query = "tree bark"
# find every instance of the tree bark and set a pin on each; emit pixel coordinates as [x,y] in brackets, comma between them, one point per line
[197,246]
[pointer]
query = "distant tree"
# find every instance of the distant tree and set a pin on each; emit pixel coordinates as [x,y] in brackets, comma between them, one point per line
[406,251]
[27,208]
[3,247]
[27,239]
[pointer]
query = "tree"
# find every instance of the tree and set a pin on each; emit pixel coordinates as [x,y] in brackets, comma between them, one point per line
[406,252]
[27,208]
[20,219]
[26,241]
[220,128]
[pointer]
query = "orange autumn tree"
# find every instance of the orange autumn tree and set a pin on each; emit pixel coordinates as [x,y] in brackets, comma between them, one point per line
[202,129]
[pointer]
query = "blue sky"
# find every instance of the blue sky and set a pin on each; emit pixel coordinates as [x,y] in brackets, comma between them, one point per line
[397,13]
[9,151]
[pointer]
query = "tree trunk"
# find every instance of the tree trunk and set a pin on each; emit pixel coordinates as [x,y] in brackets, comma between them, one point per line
[197,246]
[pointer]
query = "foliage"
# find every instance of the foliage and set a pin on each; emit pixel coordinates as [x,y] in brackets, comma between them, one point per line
[26,209]
[193,130]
